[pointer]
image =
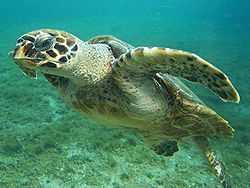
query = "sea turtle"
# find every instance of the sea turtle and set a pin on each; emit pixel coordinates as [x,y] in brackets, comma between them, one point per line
[110,81]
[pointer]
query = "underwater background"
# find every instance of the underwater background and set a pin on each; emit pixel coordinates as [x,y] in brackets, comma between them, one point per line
[43,143]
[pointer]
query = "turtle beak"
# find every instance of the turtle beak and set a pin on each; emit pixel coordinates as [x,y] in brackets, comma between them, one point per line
[24,54]
[31,61]
[26,64]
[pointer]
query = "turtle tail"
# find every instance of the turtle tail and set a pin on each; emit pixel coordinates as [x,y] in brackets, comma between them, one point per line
[216,165]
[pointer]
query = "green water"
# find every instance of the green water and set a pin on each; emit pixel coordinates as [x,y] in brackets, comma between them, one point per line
[43,143]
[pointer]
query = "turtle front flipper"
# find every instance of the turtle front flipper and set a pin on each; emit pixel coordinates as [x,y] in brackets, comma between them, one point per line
[117,46]
[177,63]
[187,112]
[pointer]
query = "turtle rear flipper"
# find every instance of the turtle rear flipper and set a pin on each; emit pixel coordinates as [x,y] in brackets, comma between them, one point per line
[196,120]
[166,148]
[216,165]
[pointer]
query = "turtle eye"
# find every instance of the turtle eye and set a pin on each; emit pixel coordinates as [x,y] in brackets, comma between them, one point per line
[44,43]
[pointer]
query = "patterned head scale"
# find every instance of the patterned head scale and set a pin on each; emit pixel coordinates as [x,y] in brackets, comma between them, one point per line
[46,48]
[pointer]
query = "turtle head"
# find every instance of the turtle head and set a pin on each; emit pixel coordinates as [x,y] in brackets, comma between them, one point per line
[45,50]
[59,54]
